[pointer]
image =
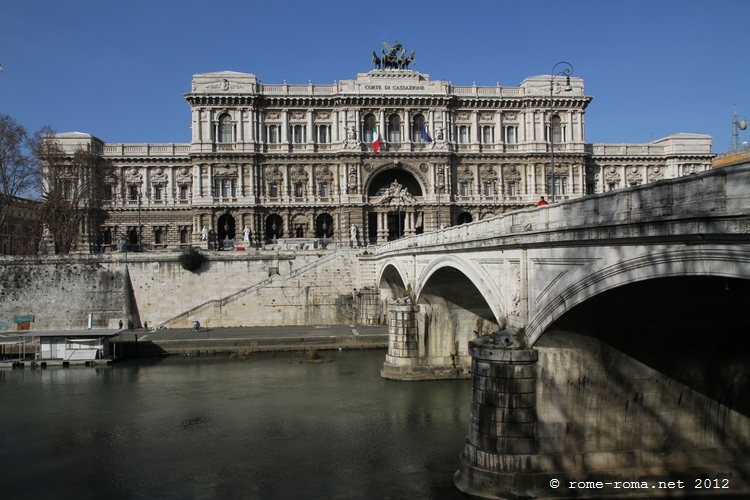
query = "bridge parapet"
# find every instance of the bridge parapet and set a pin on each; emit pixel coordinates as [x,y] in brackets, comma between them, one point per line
[715,193]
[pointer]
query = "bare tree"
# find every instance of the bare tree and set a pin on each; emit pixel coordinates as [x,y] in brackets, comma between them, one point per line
[73,189]
[18,172]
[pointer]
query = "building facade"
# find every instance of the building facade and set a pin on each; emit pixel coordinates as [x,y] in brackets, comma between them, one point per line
[269,162]
[20,232]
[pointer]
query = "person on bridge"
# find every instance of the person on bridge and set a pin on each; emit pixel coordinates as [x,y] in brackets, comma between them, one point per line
[541,202]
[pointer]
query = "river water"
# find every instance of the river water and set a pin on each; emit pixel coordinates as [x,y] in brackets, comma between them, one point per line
[271,426]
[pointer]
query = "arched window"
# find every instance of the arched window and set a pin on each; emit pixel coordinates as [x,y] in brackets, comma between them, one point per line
[225,128]
[368,127]
[556,125]
[417,125]
[394,128]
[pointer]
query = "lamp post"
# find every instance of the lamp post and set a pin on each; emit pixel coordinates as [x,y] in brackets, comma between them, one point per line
[566,69]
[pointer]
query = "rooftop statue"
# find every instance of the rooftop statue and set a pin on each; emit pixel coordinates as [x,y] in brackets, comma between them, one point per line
[392,57]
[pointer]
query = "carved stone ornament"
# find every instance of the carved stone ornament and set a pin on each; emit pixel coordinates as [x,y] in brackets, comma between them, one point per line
[133,176]
[509,116]
[225,171]
[464,173]
[183,176]
[158,176]
[298,173]
[689,169]
[487,117]
[323,173]
[352,179]
[515,296]
[367,167]
[298,115]
[610,173]
[397,195]
[511,172]
[487,172]
[423,167]
[463,115]
[323,115]
[274,174]
[272,115]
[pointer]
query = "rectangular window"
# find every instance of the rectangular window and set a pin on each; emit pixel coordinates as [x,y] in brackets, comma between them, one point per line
[323,190]
[217,188]
[464,132]
[511,134]
[489,189]
[464,189]
[224,188]
[323,136]
[67,190]
[511,188]
[273,190]
[133,193]
[298,134]
[488,135]
[298,190]
[157,193]
[107,194]
[273,134]
[561,184]
[183,192]
[233,187]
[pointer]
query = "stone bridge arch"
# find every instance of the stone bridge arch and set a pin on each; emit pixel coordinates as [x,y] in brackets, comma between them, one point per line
[696,261]
[456,299]
[392,280]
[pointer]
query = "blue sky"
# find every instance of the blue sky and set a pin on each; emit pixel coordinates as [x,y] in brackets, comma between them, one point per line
[119,69]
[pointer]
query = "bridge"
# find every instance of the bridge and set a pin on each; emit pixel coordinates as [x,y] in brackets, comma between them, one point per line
[606,336]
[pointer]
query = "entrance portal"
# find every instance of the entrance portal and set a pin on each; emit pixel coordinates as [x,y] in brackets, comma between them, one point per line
[226,230]
[396,225]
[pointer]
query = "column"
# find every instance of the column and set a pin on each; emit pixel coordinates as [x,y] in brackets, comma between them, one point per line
[310,133]
[285,127]
[431,114]
[475,127]
[383,131]
[241,175]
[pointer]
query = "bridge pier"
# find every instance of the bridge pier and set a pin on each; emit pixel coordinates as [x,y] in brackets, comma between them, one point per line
[502,431]
[576,417]
[406,359]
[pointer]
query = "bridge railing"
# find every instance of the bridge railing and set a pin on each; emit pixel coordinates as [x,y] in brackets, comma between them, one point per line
[721,192]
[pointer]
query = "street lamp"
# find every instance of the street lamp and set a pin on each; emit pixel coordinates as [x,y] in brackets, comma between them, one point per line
[566,69]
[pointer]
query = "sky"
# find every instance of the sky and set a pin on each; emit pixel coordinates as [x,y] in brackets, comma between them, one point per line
[119,69]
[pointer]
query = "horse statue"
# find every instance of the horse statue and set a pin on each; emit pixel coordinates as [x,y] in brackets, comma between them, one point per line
[376,60]
[408,60]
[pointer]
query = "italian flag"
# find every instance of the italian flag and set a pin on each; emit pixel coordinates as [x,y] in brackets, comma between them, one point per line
[375,140]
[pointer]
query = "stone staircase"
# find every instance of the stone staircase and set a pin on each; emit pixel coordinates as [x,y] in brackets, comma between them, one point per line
[317,293]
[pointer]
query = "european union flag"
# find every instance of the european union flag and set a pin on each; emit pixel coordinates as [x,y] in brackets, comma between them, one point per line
[425,136]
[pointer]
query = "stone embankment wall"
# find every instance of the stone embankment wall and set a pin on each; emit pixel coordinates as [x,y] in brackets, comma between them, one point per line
[60,291]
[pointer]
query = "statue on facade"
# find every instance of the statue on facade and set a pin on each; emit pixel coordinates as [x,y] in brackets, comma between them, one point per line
[397,195]
[376,60]
[353,236]
[351,138]
[439,142]
[393,57]
[246,235]
[42,249]
[204,234]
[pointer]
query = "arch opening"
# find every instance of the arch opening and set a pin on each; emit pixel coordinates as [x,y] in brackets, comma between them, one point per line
[382,181]
[452,312]
[692,329]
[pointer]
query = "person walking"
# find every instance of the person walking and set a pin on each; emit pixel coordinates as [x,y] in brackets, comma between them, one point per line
[541,202]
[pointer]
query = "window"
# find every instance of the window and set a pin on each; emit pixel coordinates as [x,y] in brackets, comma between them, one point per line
[488,134]
[417,125]
[107,193]
[611,186]
[561,184]
[158,237]
[464,132]
[273,190]
[273,134]
[463,189]
[511,188]
[132,192]
[324,136]
[489,189]
[394,129]
[298,189]
[557,130]
[157,192]
[225,128]
[183,192]
[298,134]
[67,189]
[183,235]
[511,134]
[323,190]
[368,128]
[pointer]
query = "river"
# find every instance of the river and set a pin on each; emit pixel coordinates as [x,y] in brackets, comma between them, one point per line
[271,426]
